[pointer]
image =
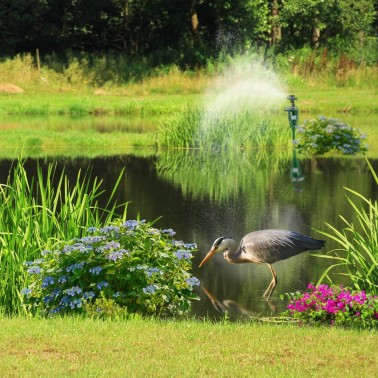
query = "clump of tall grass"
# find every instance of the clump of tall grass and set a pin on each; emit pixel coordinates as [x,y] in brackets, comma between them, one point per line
[242,130]
[35,214]
[358,252]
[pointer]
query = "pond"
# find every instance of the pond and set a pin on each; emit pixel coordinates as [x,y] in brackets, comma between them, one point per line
[206,195]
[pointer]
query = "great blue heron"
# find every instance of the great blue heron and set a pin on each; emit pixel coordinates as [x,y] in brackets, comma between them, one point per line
[264,247]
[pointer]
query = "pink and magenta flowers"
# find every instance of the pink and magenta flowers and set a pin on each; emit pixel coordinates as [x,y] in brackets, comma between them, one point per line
[335,305]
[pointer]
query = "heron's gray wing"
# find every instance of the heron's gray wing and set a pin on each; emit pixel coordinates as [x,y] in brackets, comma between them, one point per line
[270,246]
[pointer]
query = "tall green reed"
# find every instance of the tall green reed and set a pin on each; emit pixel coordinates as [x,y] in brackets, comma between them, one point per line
[245,130]
[36,214]
[358,252]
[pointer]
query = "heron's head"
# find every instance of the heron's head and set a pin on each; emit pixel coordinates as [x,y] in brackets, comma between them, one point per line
[220,245]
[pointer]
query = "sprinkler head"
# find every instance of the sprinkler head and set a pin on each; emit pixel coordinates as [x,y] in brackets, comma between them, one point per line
[292,98]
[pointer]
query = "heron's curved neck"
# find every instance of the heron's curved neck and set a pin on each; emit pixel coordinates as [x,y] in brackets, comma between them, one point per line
[230,251]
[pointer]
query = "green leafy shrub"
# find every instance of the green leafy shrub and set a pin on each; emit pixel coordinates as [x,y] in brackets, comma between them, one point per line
[334,305]
[142,269]
[34,214]
[321,135]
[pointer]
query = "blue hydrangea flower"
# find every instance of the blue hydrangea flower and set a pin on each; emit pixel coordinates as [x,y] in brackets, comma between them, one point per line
[47,281]
[93,239]
[77,266]
[152,271]
[89,295]
[62,279]
[117,254]
[109,229]
[177,243]
[48,298]
[131,224]
[182,254]
[168,231]
[117,294]
[76,303]
[150,289]
[193,281]
[92,229]
[65,300]
[112,245]
[55,292]
[102,284]
[96,270]
[190,245]
[26,291]
[34,270]
[73,291]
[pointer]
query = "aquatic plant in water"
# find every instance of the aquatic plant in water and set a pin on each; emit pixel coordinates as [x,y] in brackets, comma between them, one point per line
[357,254]
[135,266]
[321,135]
[334,305]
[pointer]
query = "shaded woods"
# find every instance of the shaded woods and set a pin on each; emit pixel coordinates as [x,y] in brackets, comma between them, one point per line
[187,33]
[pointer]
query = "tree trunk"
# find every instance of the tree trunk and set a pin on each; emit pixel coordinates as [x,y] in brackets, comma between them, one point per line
[194,19]
[315,36]
[276,33]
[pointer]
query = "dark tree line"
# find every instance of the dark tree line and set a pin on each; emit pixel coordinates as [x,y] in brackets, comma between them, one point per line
[189,30]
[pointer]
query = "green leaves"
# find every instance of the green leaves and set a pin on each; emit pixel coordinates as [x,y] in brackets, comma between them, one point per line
[358,252]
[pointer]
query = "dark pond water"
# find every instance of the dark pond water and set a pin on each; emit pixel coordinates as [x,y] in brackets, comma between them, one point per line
[204,196]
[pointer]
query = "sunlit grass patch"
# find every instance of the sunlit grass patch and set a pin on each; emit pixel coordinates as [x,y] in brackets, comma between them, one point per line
[83,347]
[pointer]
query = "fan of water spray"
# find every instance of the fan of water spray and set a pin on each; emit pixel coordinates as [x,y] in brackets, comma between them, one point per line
[240,105]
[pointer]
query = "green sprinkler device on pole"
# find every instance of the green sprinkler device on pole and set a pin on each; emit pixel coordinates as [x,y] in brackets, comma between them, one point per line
[292,111]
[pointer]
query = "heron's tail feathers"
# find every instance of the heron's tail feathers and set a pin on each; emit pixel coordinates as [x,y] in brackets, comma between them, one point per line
[314,244]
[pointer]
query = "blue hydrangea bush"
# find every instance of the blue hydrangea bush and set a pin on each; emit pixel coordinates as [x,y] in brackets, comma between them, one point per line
[321,135]
[132,264]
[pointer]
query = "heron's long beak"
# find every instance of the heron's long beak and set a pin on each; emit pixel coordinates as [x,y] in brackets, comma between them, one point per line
[208,256]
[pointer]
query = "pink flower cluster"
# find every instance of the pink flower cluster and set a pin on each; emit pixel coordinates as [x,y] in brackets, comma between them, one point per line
[332,303]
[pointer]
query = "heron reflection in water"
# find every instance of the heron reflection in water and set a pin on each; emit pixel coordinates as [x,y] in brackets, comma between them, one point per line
[264,247]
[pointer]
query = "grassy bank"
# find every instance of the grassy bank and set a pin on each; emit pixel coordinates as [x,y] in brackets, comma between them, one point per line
[312,99]
[82,348]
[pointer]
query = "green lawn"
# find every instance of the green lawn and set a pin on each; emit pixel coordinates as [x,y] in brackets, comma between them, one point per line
[89,348]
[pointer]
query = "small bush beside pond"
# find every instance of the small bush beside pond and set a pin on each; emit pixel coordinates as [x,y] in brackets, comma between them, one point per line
[130,264]
[321,135]
[334,305]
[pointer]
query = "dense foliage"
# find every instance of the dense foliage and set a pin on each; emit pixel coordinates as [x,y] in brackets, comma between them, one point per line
[334,305]
[183,32]
[126,265]
[321,135]
[37,211]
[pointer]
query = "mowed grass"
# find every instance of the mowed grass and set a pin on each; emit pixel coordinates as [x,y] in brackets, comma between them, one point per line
[87,102]
[93,348]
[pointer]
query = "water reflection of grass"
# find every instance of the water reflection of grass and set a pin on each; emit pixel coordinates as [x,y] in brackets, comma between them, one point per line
[221,176]
[73,143]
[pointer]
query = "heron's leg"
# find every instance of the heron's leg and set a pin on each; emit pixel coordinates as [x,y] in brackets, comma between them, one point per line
[268,289]
[273,284]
